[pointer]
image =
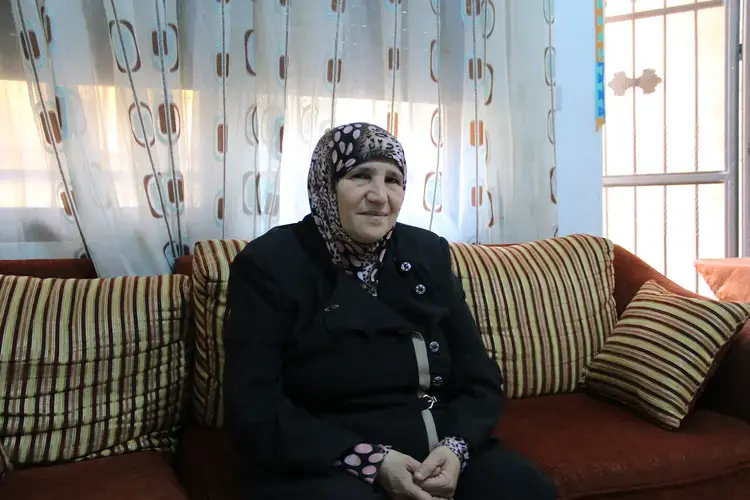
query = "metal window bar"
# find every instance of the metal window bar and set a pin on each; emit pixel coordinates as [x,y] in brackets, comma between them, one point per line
[729,177]
[665,11]
[745,14]
[732,197]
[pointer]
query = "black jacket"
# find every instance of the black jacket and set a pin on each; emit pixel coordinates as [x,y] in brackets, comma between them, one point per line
[315,365]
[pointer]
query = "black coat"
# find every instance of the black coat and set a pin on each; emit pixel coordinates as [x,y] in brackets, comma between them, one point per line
[315,365]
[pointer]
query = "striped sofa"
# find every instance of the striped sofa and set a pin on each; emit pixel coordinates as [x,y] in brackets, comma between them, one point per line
[135,410]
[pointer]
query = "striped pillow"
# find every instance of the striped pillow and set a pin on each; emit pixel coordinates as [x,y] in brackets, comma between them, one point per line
[662,352]
[5,466]
[91,367]
[544,308]
[211,264]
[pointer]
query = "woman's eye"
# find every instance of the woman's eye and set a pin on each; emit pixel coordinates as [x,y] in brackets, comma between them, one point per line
[395,180]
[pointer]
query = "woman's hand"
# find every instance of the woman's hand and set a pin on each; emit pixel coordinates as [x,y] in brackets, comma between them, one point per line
[438,474]
[396,477]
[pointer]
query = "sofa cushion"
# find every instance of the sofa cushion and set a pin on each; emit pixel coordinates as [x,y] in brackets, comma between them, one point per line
[143,475]
[593,447]
[210,275]
[91,367]
[5,466]
[662,351]
[544,308]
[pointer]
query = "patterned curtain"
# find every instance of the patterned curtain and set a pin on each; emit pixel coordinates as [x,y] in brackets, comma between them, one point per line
[135,128]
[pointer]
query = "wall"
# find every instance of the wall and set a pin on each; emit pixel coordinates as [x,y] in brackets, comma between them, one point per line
[579,146]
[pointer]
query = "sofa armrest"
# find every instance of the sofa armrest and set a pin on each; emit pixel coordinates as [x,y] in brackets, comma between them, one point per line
[728,391]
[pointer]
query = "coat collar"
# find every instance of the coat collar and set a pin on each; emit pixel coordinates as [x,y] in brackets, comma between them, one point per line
[406,292]
[407,283]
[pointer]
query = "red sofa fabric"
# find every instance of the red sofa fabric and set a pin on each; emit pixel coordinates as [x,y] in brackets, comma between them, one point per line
[184,265]
[142,475]
[49,268]
[597,449]
[728,391]
[593,448]
[207,464]
[631,273]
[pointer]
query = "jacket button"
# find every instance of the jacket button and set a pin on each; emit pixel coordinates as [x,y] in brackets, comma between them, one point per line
[405,267]
[437,381]
[331,307]
[420,289]
[434,346]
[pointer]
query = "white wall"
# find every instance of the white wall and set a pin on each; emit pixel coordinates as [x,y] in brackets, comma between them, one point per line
[579,146]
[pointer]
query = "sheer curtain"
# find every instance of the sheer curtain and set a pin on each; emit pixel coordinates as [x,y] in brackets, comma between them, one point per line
[134,128]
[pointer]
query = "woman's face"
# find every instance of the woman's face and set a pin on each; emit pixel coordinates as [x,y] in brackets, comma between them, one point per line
[369,198]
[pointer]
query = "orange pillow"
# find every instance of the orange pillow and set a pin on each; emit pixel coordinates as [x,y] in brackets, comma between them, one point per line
[729,279]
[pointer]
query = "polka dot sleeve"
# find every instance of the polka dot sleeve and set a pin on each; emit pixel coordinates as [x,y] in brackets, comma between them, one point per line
[364,461]
[459,447]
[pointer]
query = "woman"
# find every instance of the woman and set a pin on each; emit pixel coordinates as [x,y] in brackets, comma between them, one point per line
[354,369]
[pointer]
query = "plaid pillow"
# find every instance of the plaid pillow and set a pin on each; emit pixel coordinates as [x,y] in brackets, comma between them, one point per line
[662,352]
[544,308]
[213,258]
[91,367]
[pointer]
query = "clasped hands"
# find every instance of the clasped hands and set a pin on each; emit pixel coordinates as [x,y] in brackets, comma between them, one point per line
[436,478]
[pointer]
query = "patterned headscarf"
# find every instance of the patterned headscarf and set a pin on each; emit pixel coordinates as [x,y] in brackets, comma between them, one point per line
[340,150]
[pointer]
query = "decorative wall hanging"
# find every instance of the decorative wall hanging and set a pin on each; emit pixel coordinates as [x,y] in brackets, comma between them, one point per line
[647,82]
[599,16]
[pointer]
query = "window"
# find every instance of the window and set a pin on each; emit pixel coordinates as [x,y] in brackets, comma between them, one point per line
[670,166]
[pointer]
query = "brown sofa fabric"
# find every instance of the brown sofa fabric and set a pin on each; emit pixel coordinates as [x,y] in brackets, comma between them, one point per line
[143,475]
[184,265]
[728,391]
[49,268]
[732,486]
[593,448]
[207,463]
[617,451]
[631,273]
[72,268]
[663,351]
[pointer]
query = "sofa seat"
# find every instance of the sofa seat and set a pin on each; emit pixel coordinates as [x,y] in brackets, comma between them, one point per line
[598,449]
[207,463]
[592,448]
[141,475]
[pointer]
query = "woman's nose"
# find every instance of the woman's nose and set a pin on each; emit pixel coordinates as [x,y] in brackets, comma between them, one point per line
[377,192]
